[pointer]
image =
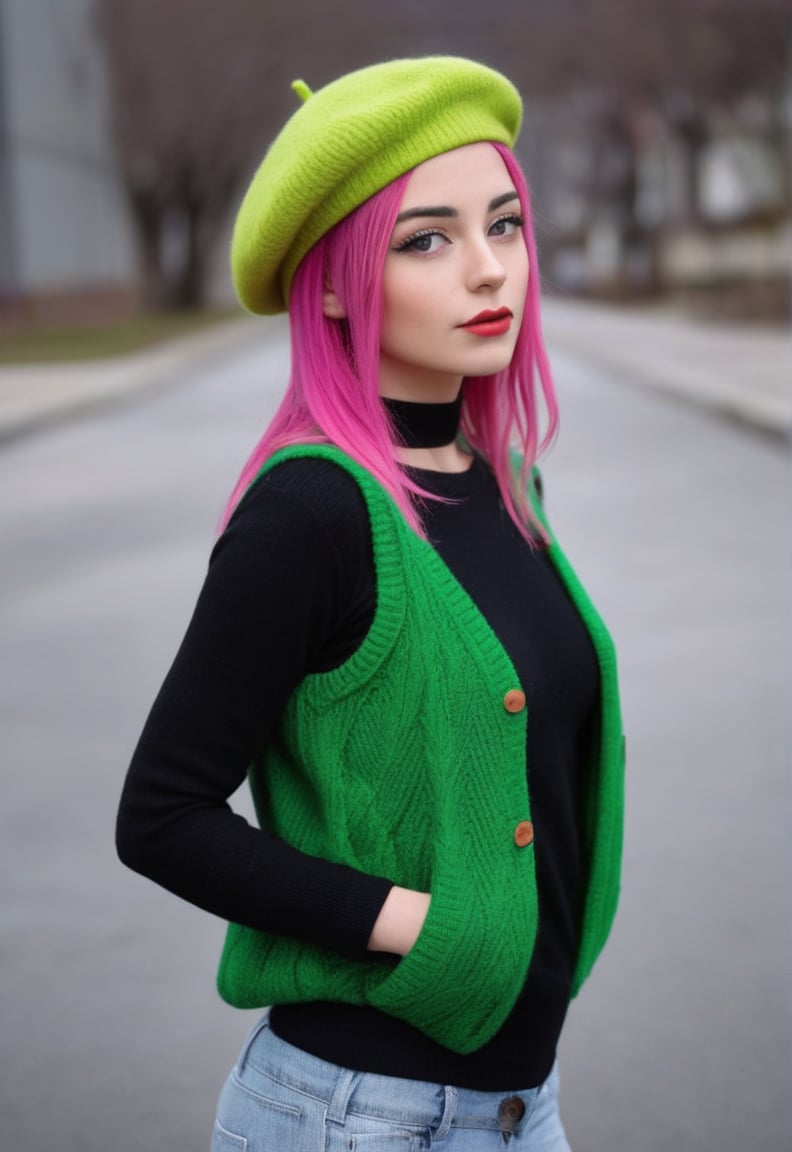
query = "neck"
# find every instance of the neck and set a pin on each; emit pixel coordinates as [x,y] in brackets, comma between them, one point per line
[424,425]
[425,434]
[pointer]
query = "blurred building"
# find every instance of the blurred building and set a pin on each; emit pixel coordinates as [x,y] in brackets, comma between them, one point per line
[65,247]
[638,204]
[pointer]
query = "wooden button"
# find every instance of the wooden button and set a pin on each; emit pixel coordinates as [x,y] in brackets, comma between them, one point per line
[523,834]
[514,700]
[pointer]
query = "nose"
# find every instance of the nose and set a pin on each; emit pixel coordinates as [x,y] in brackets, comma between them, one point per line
[484,268]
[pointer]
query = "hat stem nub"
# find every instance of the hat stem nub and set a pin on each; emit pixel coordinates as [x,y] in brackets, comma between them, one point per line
[302,90]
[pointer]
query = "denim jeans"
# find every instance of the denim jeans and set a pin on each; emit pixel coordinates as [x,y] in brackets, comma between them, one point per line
[281,1099]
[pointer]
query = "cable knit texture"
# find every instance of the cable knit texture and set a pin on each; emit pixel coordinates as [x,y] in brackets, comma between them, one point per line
[404,762]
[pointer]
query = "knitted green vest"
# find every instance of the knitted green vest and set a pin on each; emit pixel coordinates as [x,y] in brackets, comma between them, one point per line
[405,763]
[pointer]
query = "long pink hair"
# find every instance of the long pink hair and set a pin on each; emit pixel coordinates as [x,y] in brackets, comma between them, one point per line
[333,391]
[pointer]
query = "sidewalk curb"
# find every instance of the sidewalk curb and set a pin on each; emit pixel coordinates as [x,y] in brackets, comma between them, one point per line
[766,414]
[740,374]
[34,397]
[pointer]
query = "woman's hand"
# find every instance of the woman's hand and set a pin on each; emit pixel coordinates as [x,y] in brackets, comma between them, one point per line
[399,922]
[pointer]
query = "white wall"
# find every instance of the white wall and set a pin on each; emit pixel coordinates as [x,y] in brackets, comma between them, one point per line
[69,222]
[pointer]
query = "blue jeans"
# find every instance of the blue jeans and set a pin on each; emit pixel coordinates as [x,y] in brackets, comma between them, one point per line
[281,1099]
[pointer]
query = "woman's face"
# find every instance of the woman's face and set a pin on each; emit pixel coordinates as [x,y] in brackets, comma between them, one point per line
[455,276]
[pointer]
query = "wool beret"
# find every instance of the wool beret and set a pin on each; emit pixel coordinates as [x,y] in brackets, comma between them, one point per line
[346,142]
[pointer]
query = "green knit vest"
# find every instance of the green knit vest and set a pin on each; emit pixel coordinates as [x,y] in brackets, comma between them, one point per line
[404,763]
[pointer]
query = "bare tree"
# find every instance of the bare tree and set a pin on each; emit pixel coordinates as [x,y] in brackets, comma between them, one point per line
[628,72]
[186,101]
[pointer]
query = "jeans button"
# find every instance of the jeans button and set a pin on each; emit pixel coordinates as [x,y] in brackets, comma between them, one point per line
[510,1112]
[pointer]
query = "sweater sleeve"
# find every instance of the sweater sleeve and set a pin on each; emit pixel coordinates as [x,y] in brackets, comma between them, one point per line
[289,590]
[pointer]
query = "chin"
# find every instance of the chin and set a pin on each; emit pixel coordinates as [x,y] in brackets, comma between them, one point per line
[490,366]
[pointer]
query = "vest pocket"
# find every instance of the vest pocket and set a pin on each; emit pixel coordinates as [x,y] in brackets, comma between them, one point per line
[465,971]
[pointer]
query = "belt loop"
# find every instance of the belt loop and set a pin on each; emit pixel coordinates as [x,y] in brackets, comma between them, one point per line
[450,1100]
[346,1084]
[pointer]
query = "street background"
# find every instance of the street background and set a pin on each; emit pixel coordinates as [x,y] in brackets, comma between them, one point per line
[657,142]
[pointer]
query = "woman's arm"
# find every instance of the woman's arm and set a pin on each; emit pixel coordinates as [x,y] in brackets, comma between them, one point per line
[290,589]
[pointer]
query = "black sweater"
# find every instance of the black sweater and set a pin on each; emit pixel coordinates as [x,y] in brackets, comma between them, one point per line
[291,590]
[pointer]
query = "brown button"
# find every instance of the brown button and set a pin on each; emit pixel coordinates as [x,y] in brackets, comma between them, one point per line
[523,834]
[510,1113]
[514,700]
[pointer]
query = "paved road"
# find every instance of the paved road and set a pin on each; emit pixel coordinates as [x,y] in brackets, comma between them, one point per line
[111,1034]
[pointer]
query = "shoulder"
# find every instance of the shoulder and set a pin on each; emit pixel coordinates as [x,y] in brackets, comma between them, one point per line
[322,486]
[309,504]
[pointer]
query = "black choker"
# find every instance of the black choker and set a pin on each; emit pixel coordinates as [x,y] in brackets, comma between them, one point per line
[424,425]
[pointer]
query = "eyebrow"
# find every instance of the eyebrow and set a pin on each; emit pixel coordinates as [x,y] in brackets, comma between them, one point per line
[443,211]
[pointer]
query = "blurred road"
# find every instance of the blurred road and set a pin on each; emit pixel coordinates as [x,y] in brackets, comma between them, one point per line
[112,1035]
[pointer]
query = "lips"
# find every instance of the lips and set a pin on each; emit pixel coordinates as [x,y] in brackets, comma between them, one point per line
[489,323]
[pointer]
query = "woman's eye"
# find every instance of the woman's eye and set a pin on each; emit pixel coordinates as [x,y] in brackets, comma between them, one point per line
[505,225]
[424,242]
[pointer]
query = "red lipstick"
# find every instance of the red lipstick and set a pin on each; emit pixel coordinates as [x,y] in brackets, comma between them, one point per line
[489,323]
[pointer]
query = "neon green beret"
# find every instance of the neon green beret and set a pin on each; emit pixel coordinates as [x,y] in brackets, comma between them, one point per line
[346,142]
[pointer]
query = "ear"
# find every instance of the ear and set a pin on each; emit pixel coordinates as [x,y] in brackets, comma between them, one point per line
[332,306]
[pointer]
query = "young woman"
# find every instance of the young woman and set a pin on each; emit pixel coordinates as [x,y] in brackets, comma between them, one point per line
[392,643]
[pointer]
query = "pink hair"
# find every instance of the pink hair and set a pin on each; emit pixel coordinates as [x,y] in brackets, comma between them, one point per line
[333,391]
